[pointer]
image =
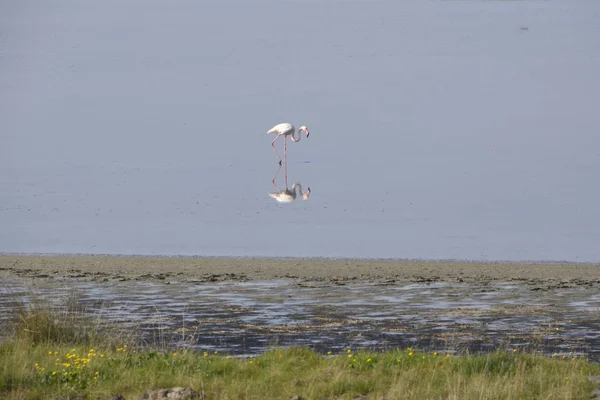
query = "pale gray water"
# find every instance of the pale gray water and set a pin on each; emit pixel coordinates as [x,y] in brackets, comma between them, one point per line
[439,129]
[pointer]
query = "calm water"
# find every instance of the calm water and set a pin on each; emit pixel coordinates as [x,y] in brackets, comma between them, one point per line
[439,129]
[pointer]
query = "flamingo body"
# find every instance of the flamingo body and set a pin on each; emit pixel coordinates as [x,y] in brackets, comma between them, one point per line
[283,129]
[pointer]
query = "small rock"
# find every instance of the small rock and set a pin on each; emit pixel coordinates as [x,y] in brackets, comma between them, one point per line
[176,393]
[295,398]
[596,393]
[117,397]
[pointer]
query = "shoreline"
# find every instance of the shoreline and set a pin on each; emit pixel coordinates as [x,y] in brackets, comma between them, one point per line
[292,258]
[318,269]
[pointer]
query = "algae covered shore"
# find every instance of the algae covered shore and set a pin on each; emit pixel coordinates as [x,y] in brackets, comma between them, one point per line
[213,268]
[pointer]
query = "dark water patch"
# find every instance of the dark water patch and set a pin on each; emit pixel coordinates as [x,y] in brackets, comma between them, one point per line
[249,317]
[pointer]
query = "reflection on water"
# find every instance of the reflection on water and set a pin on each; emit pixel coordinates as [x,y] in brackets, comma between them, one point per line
[287,195]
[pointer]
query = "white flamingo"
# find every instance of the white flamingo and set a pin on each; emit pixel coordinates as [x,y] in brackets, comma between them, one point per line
[286,129]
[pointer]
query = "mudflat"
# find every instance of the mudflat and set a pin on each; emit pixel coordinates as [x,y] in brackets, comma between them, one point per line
[107,267]
[327,304]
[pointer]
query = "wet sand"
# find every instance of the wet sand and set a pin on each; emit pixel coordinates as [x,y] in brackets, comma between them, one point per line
[103,267]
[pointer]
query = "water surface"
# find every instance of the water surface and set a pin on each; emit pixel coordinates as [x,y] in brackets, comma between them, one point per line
[458,129]
[250,317]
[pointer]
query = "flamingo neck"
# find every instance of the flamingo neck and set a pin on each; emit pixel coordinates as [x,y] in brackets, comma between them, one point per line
[293,136]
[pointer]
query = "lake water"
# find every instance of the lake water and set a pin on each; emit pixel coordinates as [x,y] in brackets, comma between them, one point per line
[439,129]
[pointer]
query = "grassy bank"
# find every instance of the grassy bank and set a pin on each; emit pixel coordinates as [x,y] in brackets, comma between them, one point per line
[46,371]
[53,354]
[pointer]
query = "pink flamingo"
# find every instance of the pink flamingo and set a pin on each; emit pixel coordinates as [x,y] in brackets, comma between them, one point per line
[286,129]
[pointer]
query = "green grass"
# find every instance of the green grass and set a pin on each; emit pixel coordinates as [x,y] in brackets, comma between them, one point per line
[46,371]
[57,356]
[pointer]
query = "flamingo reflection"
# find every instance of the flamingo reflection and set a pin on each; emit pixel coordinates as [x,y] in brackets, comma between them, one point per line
[287,195]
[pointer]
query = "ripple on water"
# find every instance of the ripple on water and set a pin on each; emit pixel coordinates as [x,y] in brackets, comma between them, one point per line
[246,317]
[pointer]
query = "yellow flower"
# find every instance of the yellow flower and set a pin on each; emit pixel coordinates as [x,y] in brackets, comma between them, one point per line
[50,353]
[216,352]
[101,355]
[251,361]
[205,354]
[514,350]
[53,372]
[97,373]
[228,357]
[174,354]
[328,353]
[410,354]
[349,350]
[422,357]
[435,354]
[368,360]
[566,378]
[66,365]
[349,355]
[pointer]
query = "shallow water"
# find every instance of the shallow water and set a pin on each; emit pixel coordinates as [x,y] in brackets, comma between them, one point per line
[439,129]
[249,317]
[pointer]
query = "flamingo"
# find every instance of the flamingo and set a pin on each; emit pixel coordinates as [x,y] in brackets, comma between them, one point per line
[286,129]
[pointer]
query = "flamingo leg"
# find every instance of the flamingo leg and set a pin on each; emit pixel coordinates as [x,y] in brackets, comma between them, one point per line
[285,149]
[285,172]
[273,145]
